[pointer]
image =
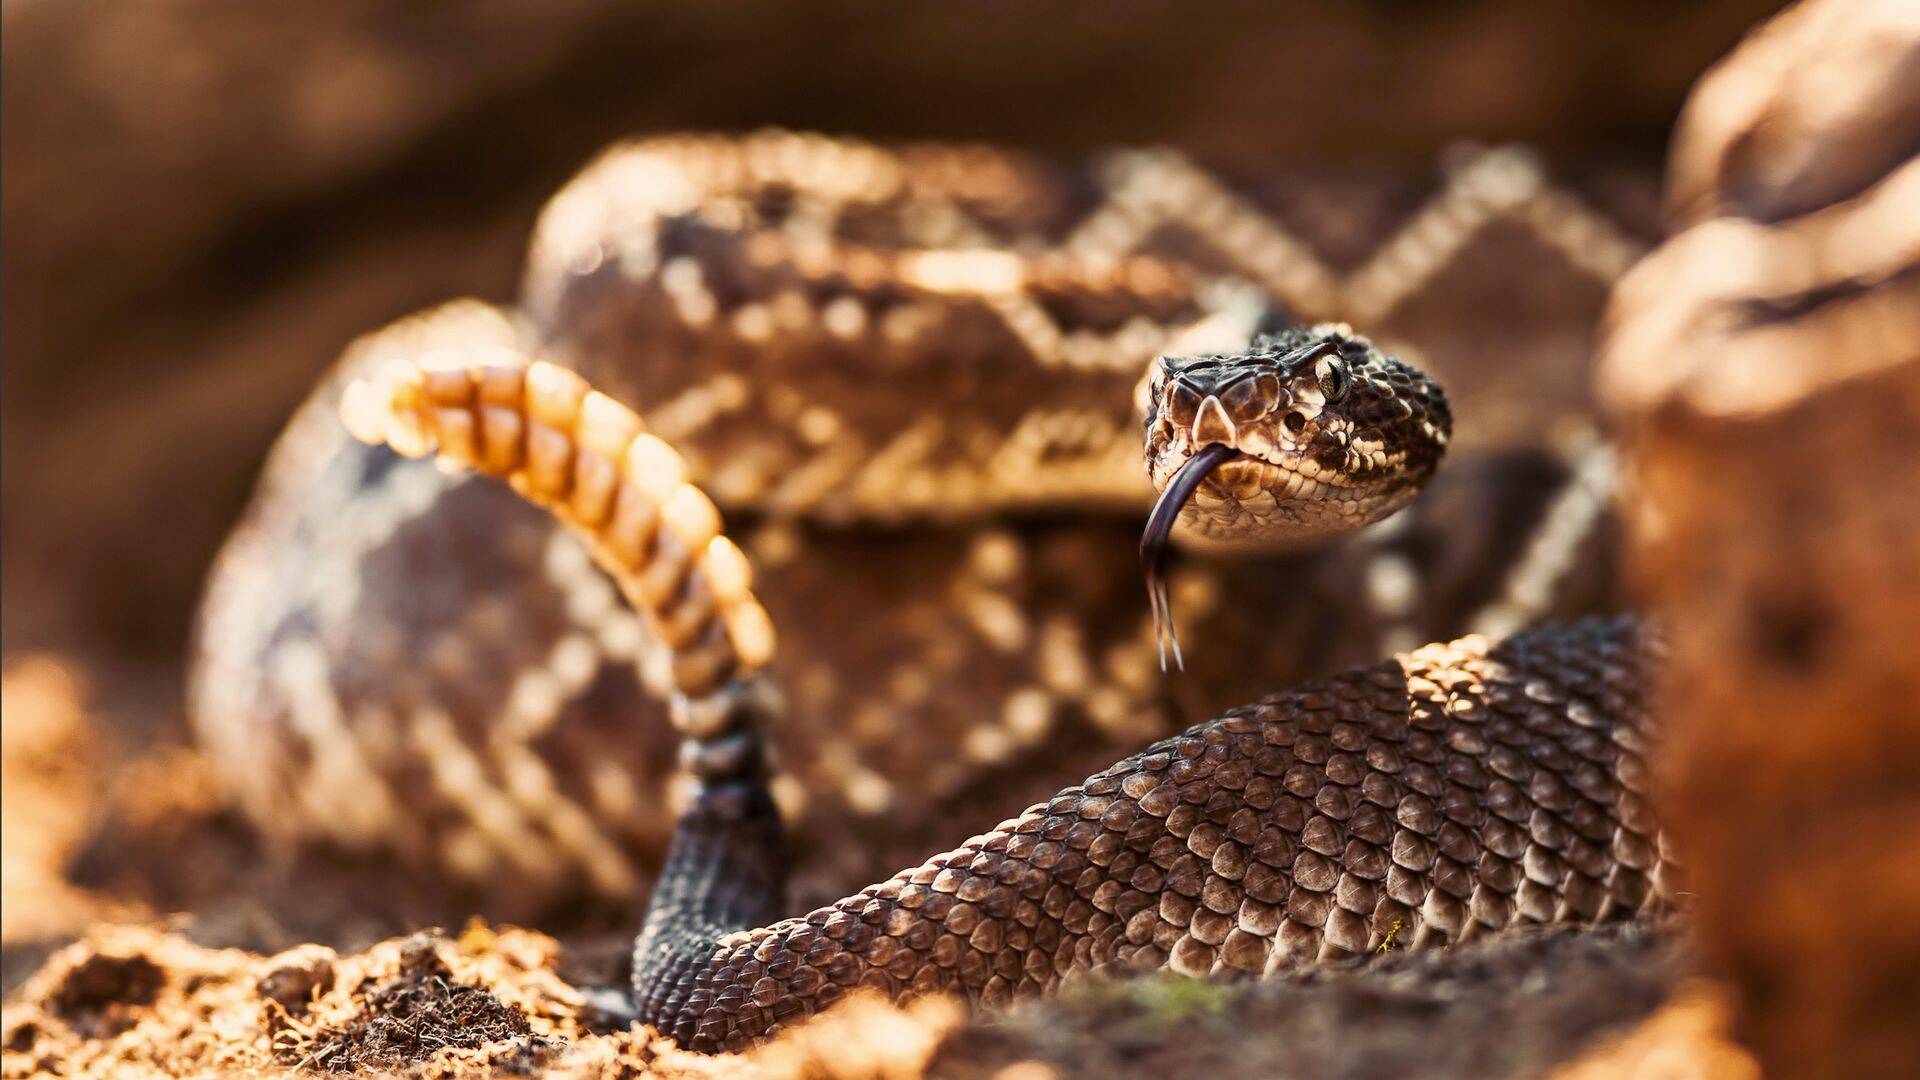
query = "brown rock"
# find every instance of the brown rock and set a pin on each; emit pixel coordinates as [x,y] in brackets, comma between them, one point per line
[1770,376]
[1814,108]
[294,977]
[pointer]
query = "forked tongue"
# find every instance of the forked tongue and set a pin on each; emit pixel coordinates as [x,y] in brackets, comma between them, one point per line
[1153,543]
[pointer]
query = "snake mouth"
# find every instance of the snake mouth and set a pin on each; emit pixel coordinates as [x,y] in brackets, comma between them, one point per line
[1154,541]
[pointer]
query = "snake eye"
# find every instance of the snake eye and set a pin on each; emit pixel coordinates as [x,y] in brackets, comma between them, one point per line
[1332,376]
[1296,421]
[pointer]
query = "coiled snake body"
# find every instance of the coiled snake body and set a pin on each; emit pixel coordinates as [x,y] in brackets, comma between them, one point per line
[1447,793]
[1450,793]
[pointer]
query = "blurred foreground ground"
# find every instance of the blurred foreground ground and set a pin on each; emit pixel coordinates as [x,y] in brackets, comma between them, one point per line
[489,1003]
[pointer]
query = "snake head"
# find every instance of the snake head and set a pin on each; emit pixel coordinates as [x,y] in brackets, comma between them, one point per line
[1326,432]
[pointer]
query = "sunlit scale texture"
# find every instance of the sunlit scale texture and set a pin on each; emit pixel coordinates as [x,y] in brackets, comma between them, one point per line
[1449,792]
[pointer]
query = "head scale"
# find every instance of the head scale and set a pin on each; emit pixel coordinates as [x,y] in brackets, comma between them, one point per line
[1307,433]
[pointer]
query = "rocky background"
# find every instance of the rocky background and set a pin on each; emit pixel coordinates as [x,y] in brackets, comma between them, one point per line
[1766,365]
[203,203]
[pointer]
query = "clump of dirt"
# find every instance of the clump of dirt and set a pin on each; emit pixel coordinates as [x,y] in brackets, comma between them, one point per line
[406,1018]
[131,1001]
[101,993]
[298,976]
[486,1003]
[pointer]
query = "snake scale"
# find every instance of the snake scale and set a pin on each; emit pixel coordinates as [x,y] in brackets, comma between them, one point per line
[1452,791]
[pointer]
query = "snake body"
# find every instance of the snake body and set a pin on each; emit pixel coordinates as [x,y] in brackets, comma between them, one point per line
[749,294]
[1446,794]
[395,660]
[1451,792]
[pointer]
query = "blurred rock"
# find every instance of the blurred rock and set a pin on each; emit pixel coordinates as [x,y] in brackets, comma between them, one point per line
[1813,109]
[140,129]
[1770,376]
[1686,1040]
[49,769]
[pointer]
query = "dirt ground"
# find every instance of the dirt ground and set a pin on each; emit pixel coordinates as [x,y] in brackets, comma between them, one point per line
[485,1003]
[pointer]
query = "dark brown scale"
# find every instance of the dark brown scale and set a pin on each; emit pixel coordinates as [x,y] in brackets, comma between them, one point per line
[1435,797]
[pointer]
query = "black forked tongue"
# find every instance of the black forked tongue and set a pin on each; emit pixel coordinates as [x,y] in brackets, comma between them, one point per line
[1153,544]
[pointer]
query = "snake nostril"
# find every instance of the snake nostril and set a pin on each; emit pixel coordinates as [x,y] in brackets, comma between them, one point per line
[1296,421]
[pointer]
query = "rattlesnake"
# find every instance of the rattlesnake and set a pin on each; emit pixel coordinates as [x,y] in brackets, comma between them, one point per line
[908,378]
[1451,792]
[779,262]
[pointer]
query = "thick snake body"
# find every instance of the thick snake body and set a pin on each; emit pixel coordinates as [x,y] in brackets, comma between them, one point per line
[393,660]
[751,297]
[1446,794]
[1451,792]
